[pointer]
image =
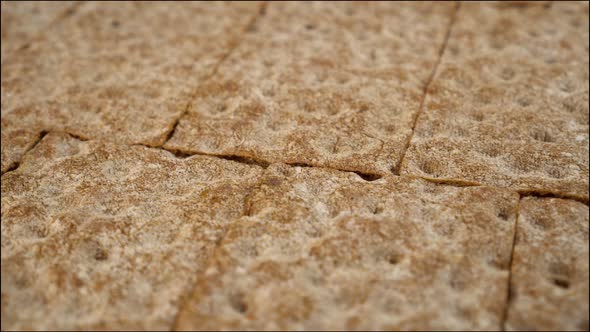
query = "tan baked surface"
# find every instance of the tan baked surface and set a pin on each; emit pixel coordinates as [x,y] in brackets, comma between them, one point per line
[294,165]
[116,71]
[101,236]
[550,284]
[325,250]
[314,84]
[22,21]
[509,105]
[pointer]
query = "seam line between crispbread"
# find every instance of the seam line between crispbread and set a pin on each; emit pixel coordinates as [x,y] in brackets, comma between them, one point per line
[70,11]
[365,176]
[396,170]
[372,177]
[547,194]
[184,299]
[521,192]
[510,263]
[234,44]
[67,13]
[261,162]
[15,165]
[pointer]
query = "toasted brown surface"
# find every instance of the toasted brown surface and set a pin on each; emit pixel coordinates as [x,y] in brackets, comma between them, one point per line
[294,165]
[96,236]
[117,71]
[15,141]
[313,83]
[549,284]
[22,21]
[509,105]
[326,250]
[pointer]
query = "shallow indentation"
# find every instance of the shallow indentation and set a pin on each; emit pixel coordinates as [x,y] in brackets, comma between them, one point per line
[541,223]
[368,177]
[523,101]
[522,164]
[507,74]
[491,151]
[499,264]
[221,108]
[377,209]
[478,116]
[238,303]
[100,255]
[458,281]
[550,60]
[394,258]
[543,136]
[488,94]
[428,167]
[556,173]
[561,282]
[274,181]
[504,214]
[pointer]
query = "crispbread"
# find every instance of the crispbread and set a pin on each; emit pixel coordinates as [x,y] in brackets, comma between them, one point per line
[23,20]
[549,283]
[312,83]
[103,229]
[21,140]
[321,249]
[102,236]
[105,73]
[509,105]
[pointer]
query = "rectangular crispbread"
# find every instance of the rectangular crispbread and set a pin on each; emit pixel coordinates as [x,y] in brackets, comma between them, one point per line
[509,104]
[102,236]
[549,283]
[312,83]
[116,71]
[321,249]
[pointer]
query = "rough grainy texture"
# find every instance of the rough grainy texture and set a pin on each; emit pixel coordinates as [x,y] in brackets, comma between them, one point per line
[15,141]
[96,236]
[321,249]
[509,105]
[22,21]
[312,83]
[117,71]
[550,267]
[287,214]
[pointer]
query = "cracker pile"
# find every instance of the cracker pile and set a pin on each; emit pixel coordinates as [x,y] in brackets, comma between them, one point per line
[295,165]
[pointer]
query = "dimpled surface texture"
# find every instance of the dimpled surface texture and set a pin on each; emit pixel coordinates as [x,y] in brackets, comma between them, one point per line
[294,165]
[107,73]
[313,84]
[509,105]
[90,230]
[22,21]
[319,249]
[550,267]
